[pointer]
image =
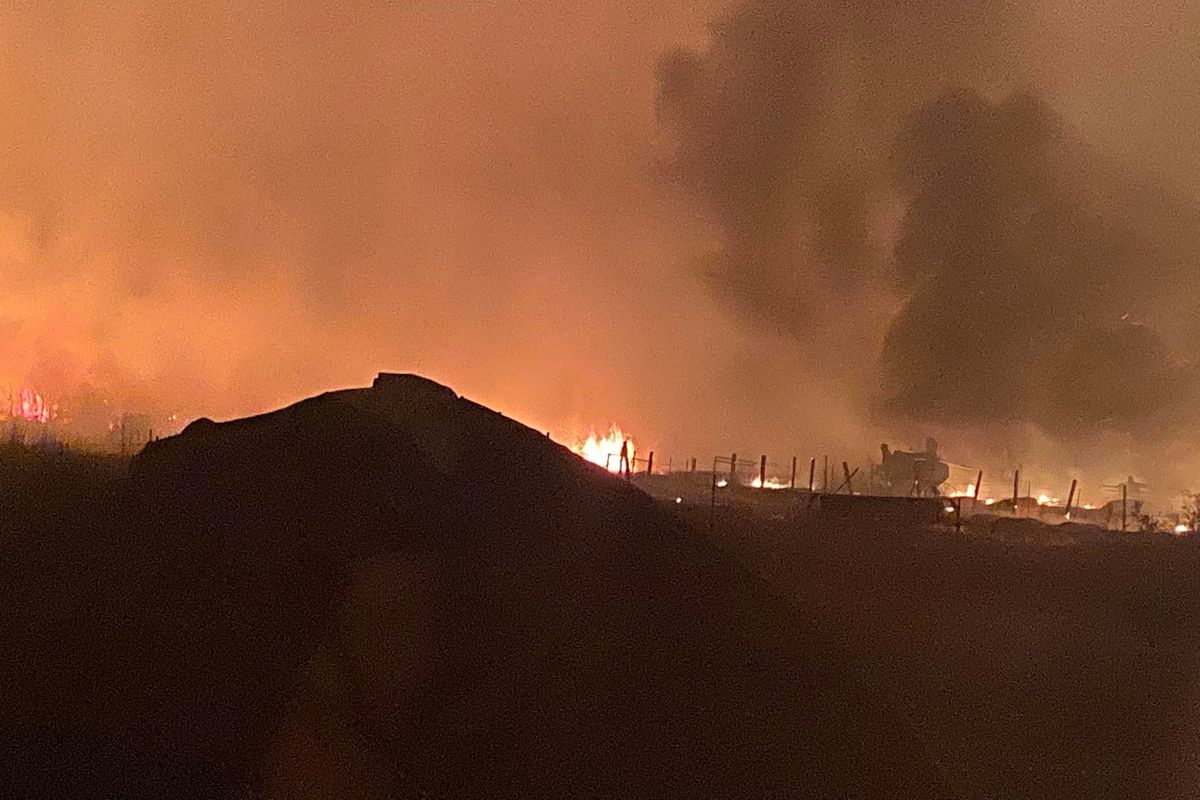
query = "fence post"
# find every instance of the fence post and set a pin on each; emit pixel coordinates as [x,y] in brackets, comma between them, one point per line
[650,464]
[793,472]
[762,472]
[1071,497]
[812,474]
[1123,495]
[712,508]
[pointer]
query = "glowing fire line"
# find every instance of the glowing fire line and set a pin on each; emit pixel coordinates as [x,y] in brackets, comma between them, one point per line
[605,451]
[31,406]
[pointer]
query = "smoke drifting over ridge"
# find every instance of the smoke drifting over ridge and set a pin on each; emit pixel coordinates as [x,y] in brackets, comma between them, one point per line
[847,154]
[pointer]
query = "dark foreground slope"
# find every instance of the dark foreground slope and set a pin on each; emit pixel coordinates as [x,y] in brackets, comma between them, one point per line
[1051,664]
[396,592]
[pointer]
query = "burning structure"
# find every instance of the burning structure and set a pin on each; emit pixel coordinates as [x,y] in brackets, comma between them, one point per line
[919,474]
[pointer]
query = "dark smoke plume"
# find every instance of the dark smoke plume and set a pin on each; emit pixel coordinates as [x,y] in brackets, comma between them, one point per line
[782,131]
[848,155]
[1029,300]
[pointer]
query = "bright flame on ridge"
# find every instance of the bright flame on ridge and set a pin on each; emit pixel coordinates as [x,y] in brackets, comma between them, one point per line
[30,406]
[605,451]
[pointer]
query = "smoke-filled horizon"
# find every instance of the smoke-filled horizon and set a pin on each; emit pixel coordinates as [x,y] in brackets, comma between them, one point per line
[1042,286]
[788,226]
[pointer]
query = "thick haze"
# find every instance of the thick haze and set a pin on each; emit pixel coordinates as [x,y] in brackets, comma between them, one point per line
[1045,285]
[786,226]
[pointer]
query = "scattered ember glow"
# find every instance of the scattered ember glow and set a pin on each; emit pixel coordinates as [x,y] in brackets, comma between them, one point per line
[968,492]
[721,484]
[772,483]
[30,406]
[605,451]
[1182,529]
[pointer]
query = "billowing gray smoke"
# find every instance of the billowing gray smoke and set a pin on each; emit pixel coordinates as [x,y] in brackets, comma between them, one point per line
[1032,277]
[783,132]
[844,152]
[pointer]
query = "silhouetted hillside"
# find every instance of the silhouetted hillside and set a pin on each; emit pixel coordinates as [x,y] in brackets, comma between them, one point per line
[395,591]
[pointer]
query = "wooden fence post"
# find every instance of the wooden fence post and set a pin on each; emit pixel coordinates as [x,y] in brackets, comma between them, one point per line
[712,508]
[1124,489]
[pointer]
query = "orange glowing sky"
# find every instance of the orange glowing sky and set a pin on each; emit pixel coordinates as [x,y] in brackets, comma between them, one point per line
[219,207]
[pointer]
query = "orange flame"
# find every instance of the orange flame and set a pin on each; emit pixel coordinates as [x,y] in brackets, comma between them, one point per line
[772,483]
[605,450]
[31,406]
